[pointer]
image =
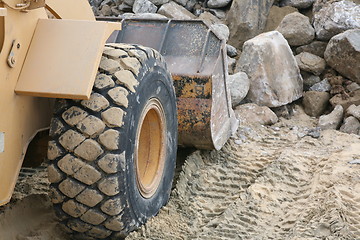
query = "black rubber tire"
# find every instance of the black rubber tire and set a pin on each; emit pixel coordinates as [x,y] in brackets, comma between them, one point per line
[91,151]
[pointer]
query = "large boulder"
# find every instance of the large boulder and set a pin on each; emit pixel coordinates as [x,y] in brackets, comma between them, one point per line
[239,85]
[315,103]
[298,3]
[343,54]
[310,63]
[252,113]
[336,17]
[276,15]
[275,78]
[296,28]
[246,19]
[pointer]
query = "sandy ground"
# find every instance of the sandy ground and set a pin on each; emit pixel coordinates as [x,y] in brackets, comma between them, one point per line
[269,182]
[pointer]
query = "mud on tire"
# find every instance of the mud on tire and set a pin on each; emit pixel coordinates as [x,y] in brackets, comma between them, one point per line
[112,157]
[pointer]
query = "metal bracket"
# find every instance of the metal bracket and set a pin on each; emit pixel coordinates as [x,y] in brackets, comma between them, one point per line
[2,142]
[15,47]
[34,4]
[3,12]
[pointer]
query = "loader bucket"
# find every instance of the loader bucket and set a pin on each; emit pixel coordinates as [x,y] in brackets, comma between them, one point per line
[197,61]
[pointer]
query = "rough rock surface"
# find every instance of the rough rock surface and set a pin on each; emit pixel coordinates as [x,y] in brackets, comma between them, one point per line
[174,10]
[336,17]
[351,125]
[315,103]
[276,15]
[246,19]
[331,120]
[218,3]
[322,86]
[309,80]
[316,47]
[296,28]
[297,3]
[310,63]
[252,113]
[238,85]
[354,111]
[221,30]
[144,6]
[338,99]
[343,54]
[261,58]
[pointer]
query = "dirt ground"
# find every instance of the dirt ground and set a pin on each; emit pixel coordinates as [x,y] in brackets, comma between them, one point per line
[286,181]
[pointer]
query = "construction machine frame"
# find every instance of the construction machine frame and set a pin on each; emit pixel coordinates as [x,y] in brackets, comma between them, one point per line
[43,59]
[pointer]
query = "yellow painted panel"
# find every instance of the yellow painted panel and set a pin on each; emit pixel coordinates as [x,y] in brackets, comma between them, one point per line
[63,58]
[71,9]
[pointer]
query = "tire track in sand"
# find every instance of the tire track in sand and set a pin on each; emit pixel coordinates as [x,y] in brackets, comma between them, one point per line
[266,183]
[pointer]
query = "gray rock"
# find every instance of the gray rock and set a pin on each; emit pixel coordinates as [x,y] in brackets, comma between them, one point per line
[209,18]
[297,3]
[231,51]
[336,17]
[174,10]
[354,111]
[221,30]
[353,87]
[129,2]
[323,86]
[190,5]
[310,63]
[143,16]
[105,10]
[275,78]
[124,7]
[221,14]
[338,99]
[144,6]
[181,2]
[332,120]
[276,15]
[310,80]
[296,28]
[315,103]
[231,65]
[159,2]
[239,85]
[343,54]
[351,125]
[252,113]
[218,3]
[246,19]
[316,47]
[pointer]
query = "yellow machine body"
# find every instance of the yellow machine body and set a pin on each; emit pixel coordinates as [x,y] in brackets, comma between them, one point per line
[40,57]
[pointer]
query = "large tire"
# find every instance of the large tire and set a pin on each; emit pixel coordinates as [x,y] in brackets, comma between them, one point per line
[112,158]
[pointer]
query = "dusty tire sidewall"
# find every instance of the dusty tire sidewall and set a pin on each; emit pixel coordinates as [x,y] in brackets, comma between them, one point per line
[153,84]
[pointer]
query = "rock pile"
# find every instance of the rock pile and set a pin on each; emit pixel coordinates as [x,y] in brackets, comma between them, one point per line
[279,51]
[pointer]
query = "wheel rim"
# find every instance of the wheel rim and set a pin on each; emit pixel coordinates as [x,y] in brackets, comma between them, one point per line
[150,148]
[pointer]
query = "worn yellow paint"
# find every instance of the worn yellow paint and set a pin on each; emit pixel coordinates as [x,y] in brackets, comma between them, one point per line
[63,58]
[70,9]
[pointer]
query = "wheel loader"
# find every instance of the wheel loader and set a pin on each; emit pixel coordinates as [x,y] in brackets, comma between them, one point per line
[113,98]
